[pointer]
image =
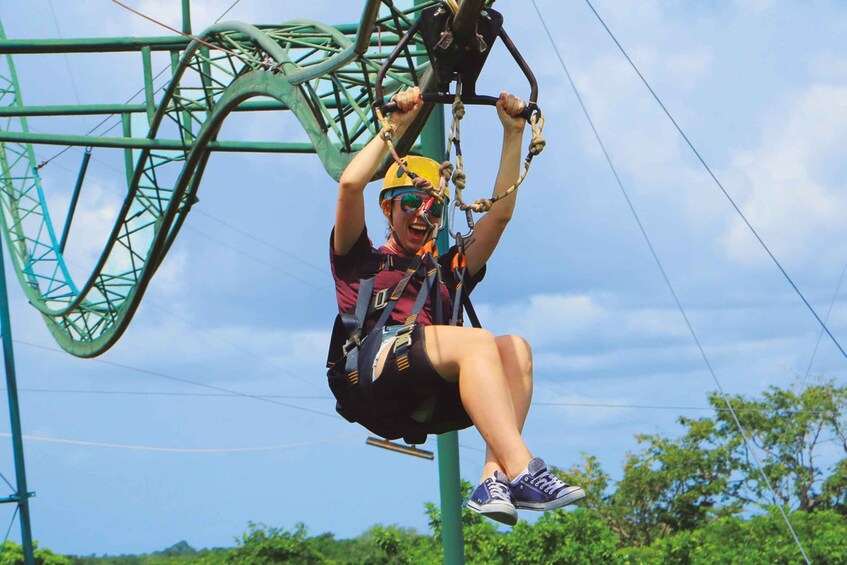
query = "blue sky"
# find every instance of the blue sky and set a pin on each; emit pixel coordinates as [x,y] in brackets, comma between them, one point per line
[126,459]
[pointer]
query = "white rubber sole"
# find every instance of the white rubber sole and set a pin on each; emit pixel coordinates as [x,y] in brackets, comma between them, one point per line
[498,511]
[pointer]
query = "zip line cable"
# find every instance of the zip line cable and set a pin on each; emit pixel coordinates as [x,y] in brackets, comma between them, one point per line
[183,449]
[248,235]
[748,443]
[9,529]
[178,32]
[169,312]
[717,182]
[65,56]
[222,222]
[104,120]
[826,319]
[189,382]
[187,322]
[168,393]
[326,397]
[5,480]
[234,4]
[160,73]
[261,261]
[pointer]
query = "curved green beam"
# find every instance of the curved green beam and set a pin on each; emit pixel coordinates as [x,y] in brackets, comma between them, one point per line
[207,85]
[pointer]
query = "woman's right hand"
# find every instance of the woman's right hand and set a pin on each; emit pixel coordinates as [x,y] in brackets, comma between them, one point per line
[409,103]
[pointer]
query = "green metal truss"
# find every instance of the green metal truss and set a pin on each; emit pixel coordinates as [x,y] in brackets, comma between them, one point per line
[322,74]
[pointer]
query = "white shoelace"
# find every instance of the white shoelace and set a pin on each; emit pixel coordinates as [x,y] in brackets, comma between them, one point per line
[498,490]
[548,482]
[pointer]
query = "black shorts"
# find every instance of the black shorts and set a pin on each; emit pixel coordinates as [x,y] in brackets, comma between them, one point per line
[417,392]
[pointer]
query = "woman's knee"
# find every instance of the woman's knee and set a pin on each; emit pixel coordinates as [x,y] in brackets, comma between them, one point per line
[516,352]
[448,347]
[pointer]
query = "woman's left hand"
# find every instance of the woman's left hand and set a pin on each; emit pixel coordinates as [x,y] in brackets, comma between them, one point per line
[509,108]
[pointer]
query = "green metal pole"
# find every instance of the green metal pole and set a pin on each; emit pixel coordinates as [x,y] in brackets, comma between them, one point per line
[186,16]
[22,495]
[433,138]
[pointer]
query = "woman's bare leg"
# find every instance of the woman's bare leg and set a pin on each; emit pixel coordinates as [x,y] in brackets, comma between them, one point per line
[516,358]
[472,357]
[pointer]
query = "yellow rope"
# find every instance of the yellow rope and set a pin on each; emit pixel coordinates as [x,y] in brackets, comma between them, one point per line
[536,145]
[457,174]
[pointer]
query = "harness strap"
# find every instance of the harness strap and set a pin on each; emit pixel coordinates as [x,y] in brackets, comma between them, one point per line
[404,340]
[351,348]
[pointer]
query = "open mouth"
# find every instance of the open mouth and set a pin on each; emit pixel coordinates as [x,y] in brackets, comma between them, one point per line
[418,231]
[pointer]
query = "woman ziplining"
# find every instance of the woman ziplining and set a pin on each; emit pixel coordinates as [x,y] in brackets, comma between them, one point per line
[395,366]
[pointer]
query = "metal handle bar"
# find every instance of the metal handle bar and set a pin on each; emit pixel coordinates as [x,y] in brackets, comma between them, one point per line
[527,112]
[471,99]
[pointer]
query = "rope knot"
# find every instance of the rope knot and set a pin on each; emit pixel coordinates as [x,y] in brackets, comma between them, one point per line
[460,179]
[445,171]
[458,108]
[482,205]
[537,144]
[388,130]
[424,185]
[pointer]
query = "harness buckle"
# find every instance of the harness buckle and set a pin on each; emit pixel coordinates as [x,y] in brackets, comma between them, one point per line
[353,343]
[380,299]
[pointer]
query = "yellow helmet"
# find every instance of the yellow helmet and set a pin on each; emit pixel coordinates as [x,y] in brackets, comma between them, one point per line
[397,182]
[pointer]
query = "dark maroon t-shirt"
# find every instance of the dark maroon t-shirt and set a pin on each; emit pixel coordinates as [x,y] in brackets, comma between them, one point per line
[348,269]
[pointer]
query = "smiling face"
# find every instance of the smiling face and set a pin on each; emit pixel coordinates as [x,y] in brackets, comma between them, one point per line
[409,228]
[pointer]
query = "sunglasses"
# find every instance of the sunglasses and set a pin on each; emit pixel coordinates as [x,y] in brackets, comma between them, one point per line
[411,203]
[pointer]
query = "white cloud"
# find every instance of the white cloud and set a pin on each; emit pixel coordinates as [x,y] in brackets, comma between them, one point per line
[93,220]
[752,7]
[546,319]
[829,66]
[793,198]
[688,69]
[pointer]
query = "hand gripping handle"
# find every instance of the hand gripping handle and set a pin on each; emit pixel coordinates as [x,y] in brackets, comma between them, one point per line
[474,99]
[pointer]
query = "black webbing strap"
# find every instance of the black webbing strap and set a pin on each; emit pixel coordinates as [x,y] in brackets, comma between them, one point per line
[397,292]
[461,298]
[351,348]
[363,306]
[401,347]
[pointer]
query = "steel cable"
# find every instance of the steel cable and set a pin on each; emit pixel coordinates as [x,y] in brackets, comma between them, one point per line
[711,370]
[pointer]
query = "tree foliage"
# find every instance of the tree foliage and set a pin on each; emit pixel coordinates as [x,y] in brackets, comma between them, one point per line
[787,431]
[13,554]
[697,498]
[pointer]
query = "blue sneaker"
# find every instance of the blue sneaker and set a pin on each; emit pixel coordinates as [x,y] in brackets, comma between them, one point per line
[493,499]
[539,489]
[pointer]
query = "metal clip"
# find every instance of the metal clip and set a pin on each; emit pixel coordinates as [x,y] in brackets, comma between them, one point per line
[352,344]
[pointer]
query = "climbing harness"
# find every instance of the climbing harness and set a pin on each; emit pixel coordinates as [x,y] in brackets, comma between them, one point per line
[350,330]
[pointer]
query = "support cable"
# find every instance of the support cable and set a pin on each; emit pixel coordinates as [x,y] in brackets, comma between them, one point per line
[104,120]
[5,480]
[187,394]
[182,33]
[717,182]
[185,449]
[192,382]
[679,306]
[826,319]
[329,397]
[9,529]
[225,12]
[160,73]
[65,55]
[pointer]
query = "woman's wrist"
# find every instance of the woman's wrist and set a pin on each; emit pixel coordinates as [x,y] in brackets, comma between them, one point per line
[510,131]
